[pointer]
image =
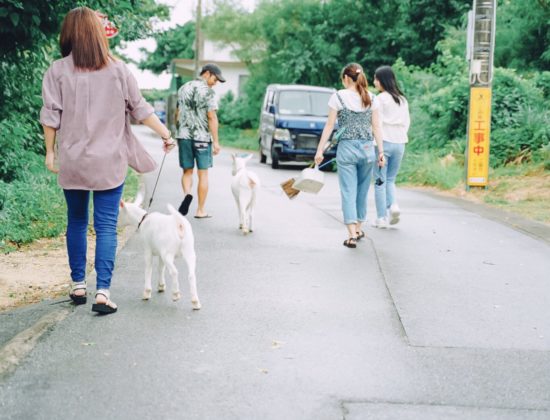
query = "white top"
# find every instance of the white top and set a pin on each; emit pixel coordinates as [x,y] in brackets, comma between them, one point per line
[395,119]
[351,99]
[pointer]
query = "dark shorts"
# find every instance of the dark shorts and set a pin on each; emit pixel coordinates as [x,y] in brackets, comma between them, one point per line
[191,151]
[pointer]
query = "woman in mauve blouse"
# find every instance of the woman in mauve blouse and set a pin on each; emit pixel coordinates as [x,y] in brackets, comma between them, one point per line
[87,98]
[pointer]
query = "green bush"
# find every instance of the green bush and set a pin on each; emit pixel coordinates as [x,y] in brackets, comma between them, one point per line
[542,81]
[20,142]
[423,168]
[543,156]
[238,138]
[519,118]
[31,208]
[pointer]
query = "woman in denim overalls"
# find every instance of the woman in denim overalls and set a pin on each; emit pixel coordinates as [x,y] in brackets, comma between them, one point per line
[358,119]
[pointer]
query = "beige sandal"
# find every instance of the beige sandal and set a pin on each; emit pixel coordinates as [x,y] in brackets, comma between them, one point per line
[109,307]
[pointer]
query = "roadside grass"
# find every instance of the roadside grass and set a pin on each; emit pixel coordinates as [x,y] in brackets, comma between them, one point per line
[426,169]
[239,139]
[34,208]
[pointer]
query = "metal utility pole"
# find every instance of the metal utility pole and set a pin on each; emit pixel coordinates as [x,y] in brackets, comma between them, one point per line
[198,38]
[480,51]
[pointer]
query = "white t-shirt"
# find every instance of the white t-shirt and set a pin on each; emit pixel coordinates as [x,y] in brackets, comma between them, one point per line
[394,118]
[351,99]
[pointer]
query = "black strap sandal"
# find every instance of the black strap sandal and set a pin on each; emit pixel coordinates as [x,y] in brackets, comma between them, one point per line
[350,243]
[78,299]
[106,308]
[360,235]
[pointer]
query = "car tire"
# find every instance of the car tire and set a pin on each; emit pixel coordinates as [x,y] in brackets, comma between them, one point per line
[274,158]
[263,158]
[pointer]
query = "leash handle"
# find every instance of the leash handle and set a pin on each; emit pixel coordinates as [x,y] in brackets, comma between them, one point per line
[157,181]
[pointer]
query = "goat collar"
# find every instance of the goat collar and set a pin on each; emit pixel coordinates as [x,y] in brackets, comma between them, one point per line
[141,221]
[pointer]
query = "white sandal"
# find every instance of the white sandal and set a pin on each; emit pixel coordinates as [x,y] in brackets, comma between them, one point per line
[106,308]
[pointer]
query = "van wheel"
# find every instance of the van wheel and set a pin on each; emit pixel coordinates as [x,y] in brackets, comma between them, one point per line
[263,158]
[274,158]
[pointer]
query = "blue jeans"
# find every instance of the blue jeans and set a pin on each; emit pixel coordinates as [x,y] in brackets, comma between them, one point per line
[106,205]
[384,194]
[355,159]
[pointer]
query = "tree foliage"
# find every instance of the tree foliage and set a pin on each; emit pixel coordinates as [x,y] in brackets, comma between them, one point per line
[307,41]
[173,43]
[523,34]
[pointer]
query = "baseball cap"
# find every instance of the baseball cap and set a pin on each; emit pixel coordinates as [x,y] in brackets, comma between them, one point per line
[213,69]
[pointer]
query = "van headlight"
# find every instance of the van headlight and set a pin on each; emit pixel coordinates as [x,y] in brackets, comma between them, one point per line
[281,134]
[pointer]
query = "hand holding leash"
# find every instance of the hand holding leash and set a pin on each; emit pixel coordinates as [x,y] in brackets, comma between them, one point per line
[381,159]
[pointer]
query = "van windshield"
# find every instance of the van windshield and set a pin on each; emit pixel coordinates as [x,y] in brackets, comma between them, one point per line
[302,102]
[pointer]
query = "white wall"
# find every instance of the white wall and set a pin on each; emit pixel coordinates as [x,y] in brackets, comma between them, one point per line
[217,52]
[231,75]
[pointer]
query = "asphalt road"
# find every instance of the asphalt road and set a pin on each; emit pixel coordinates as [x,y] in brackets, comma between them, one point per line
[444,316]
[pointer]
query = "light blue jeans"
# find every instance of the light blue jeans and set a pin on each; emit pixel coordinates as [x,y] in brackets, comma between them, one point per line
[384,195]
[106,205]
[355,159]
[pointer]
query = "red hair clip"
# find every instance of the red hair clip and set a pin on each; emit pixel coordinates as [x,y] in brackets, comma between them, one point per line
[110,29]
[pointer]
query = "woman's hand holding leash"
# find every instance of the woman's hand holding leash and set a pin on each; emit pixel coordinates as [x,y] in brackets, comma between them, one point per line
[168,143]
[319,157]
[381,159]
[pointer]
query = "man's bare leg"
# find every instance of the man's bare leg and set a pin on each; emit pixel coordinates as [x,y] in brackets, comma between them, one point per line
[187,181]
[202,191]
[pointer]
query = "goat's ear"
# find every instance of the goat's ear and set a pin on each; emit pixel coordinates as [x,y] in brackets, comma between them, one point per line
[140,196]
[233,156]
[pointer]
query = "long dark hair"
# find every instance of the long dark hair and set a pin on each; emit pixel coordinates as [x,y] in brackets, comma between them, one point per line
[386,77]
[83,35]
[356,73]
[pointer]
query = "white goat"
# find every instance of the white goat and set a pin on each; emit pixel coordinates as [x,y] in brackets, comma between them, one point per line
[166,236]
[244,185]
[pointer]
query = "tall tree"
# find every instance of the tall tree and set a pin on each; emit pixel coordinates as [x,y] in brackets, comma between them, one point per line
[177,42]
[523,34]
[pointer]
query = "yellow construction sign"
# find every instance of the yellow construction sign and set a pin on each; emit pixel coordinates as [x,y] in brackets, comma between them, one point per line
[479,131]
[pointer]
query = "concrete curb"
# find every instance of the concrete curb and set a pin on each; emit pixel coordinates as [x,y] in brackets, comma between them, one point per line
[22,344]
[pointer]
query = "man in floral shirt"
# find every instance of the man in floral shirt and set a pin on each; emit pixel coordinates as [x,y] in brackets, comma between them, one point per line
[198,134]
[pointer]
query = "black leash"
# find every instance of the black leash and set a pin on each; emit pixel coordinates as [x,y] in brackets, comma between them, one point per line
[156,182]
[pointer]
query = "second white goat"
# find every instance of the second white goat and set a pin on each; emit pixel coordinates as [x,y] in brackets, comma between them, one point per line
[244,186]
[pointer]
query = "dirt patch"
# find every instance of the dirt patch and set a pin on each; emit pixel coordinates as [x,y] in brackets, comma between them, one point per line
[40,271]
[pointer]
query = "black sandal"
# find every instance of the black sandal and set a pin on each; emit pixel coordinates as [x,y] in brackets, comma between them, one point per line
[184,206]
[351,243]
[78,299]
[360,235]
[106,308]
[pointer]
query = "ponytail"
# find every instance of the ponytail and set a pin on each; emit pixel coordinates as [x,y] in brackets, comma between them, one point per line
[356,73]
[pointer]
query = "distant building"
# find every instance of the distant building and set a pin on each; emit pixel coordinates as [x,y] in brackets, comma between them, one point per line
[235,72]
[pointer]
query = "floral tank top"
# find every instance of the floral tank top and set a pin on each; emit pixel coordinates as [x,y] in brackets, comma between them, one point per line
[355,125]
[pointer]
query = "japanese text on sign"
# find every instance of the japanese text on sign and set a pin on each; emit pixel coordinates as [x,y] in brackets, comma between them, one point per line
[479,130]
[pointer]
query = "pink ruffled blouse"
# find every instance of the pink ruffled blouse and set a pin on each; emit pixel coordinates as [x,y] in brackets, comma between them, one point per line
[89,110]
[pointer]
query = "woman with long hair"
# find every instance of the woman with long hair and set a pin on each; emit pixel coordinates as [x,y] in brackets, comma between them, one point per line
[395,120]
[88,97]
[357,115]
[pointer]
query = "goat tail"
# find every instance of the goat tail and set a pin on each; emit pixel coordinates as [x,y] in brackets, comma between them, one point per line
[179,219]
